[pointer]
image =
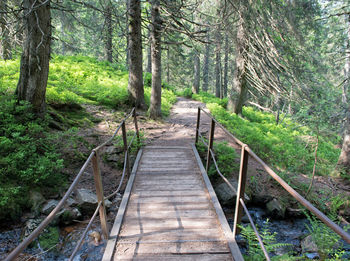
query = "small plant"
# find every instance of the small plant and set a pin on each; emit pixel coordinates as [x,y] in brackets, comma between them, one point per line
[327,241]
[255,252]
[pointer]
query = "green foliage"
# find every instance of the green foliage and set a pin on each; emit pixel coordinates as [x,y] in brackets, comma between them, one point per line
[27,157]
[49,238]
[255,252]
[225,157]
[147,79]
[286,145]
[209,98]
[187,93]
[327,241]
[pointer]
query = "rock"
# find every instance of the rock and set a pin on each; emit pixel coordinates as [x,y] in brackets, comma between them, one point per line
[276,209]
[308,245]
[225,193]
[312,255]
[113,158]
[71,202]
[49,206]
[87,201]
[36,200]
[68,215]
[30,226]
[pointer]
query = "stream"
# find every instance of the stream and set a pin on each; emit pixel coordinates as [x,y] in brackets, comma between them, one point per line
[290,231]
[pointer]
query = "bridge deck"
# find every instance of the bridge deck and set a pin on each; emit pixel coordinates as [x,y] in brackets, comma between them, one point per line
[169,211]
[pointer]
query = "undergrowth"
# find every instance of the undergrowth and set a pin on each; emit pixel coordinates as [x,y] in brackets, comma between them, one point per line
[287,145]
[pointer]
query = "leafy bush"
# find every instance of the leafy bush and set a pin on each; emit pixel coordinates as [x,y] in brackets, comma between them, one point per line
[187,93]
[209,98]
[225,157]
[288,146]
[168,99]
[27,157]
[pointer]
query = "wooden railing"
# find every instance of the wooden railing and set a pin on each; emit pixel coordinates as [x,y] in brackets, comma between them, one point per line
[240,205]
[94,158]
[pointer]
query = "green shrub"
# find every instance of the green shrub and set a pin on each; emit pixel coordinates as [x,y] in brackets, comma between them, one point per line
[27,157]
[168,99]
[225,157]
[287,145]
[187,93]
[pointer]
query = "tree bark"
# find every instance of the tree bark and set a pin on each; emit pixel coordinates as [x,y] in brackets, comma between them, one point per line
[156,93]
[206,65]
[218,64]
[197,76]
[235,104]
[344,158]
[5,33]
[168,65]
[109,32]
[35,58]
[135,85]
[226,66]
[149,56]
[127,34]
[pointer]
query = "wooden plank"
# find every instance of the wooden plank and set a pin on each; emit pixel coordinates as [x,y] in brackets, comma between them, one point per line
[167,187]
[167,206]
[192,257]
[183,199]
[110,247]
[166,193]
[168,148]
[182,172]
[165,169]
[167,182]
[172,248]
[147,223]
[156,176]
[221,216]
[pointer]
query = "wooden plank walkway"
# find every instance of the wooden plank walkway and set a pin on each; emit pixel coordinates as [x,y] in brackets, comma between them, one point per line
[169,211]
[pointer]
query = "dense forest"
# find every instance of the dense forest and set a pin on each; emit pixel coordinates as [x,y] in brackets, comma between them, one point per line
[276,73]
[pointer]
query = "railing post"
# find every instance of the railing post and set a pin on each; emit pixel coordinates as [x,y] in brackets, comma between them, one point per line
[198,122]
[210,145]
[125,141]
[241,189]
[99,193]
[136,126]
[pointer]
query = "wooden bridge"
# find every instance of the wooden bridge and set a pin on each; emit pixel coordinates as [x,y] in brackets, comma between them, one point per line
[170,211]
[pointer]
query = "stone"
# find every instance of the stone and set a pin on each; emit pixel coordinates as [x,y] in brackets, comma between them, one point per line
[49,206]
[36,200]
[225,193]
[312,255]
[276,209]
[87,201]
[71,202]
[68,215]
[30,226]
[308,245]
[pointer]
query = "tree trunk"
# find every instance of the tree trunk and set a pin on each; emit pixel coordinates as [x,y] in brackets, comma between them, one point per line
[35,58]
[218,65]
[206,65]
[109,32]
[135,85]
[127,34]
[168,65]
[235,104]
[5,33]
[156,94]
[149,56]
[344,158]
[197,76]
[226,66]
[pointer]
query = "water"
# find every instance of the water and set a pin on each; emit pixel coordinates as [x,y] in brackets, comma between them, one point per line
[69,237]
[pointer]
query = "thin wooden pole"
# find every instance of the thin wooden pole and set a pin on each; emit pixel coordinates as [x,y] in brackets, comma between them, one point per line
[136,126]
[198,122]
[99,193]
[210,145]
[241,189]
[125,141]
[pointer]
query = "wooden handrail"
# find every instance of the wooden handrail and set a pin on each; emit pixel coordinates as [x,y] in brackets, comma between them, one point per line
[245,153]
[94,158]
